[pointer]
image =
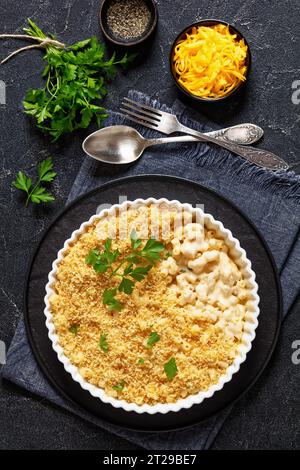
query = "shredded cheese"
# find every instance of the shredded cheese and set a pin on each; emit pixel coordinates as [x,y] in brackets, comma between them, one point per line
[210,61]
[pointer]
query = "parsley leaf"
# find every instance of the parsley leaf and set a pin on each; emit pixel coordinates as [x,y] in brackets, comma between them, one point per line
[73,329]
[22,182]
[92,256]
[135,242]
[151,251]
[170,368]
[153,338]
[45,170]
[109,299]
[141,361]
[119,387]
[37,193]
[103,343]
[126,285]
[140,272]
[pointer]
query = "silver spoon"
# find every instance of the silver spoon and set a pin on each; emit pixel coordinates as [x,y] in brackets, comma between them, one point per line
[123,144]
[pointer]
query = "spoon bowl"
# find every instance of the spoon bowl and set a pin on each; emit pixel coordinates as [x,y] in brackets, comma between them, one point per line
[115,144]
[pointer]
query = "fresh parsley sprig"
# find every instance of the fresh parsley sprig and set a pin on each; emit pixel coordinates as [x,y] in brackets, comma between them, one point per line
[131,268]
[37,193]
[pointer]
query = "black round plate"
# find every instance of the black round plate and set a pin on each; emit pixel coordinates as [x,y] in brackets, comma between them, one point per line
[172,188]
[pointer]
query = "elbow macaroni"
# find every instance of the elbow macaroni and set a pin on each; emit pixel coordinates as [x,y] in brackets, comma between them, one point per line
[207,280]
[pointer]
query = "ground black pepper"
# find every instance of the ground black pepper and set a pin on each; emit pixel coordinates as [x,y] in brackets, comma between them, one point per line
[128,19]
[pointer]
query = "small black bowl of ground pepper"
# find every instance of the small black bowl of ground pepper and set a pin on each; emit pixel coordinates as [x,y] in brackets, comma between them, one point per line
[128,22]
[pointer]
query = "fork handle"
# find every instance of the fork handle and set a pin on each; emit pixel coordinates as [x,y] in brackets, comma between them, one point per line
[260,157]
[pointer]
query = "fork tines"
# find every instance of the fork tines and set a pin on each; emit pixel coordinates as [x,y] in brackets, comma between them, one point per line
[140,113]
[136,104]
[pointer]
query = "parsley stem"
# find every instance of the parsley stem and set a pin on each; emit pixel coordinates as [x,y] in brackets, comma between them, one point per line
[49,81]
[87,103]
[29,193]
[117,269]
[50,91]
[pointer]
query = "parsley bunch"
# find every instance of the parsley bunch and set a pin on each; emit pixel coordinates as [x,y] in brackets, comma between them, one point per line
[135,266]
[76,78]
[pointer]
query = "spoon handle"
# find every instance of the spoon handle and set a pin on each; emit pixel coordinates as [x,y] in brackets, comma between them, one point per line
[171,140]
[242,134]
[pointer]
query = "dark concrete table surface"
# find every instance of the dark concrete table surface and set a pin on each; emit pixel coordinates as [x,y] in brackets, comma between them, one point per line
[268,417]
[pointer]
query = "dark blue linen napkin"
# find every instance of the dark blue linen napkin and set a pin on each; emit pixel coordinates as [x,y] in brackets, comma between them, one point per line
[271,201]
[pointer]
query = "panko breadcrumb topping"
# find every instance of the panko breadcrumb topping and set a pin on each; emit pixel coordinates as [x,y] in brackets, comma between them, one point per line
[178,331]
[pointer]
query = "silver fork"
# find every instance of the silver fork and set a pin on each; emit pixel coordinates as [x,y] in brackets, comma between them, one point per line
[242,134]
[168,123]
